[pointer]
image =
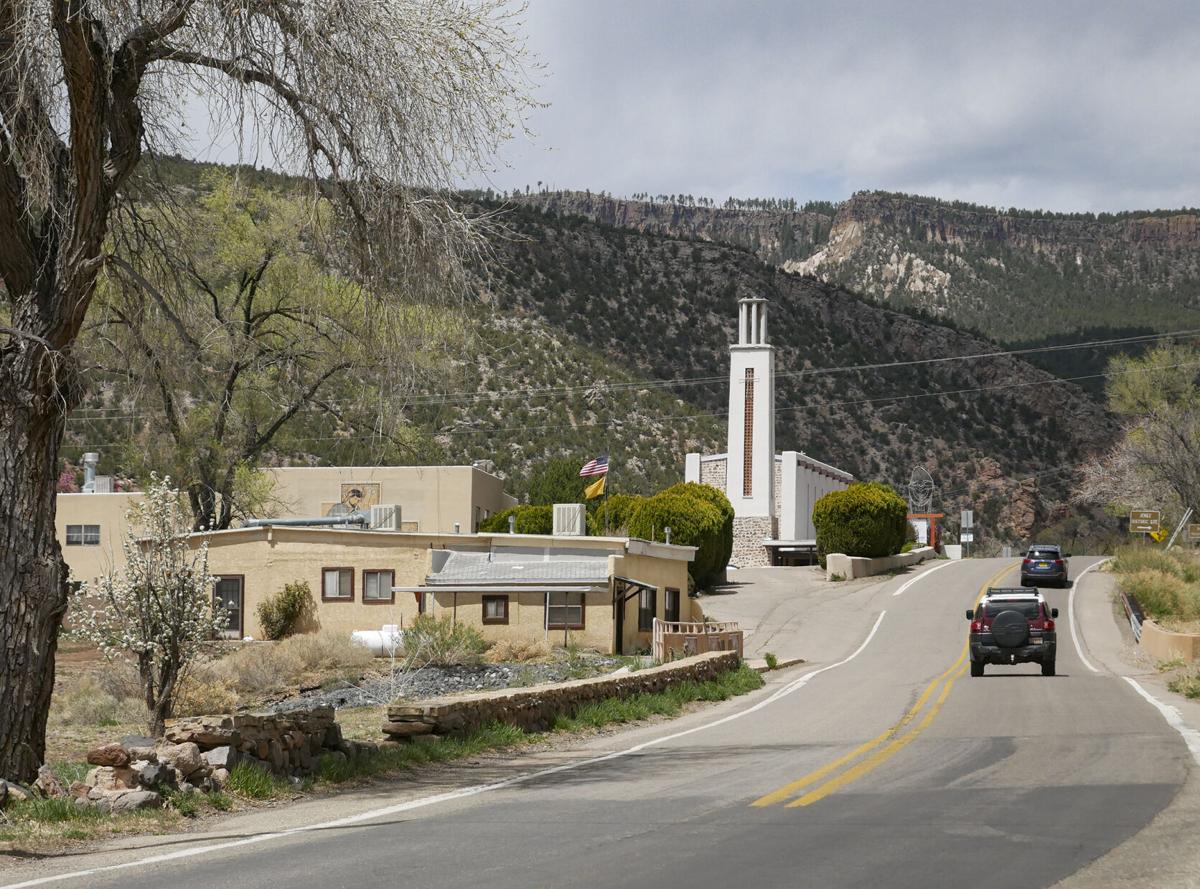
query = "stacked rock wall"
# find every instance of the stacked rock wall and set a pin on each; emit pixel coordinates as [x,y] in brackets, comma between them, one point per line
[535,709]
[198,753]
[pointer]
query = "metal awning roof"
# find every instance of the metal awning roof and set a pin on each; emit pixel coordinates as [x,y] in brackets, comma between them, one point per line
[505,588]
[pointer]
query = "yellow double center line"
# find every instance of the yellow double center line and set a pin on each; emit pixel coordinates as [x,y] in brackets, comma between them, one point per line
[893,735]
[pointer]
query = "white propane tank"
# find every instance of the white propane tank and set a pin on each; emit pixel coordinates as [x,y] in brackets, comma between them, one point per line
[379,642]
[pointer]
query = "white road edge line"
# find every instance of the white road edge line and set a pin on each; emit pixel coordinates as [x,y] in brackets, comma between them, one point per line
[370,815]
[1071,611]
[1174,718]
[920,576]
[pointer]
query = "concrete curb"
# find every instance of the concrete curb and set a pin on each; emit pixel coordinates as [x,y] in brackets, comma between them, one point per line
[761,666]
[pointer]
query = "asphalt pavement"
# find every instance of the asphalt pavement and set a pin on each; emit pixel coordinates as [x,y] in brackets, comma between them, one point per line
[882,764]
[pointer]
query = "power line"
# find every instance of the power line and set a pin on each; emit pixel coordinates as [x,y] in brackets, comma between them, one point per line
[1057,381]
[463,398]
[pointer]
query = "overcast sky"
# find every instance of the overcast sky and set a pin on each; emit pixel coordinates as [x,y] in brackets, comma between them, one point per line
[1059,105]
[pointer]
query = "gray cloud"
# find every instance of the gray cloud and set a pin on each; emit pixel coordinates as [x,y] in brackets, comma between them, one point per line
[1057,104]
[1064,105]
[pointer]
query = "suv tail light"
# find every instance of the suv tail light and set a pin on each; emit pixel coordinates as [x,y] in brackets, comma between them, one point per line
[976,626]
[1058,562]
[1048,625]
[1027,561]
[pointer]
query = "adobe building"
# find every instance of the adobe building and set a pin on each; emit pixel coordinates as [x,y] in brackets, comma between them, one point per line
[428,499]
[772,494]
[597,592]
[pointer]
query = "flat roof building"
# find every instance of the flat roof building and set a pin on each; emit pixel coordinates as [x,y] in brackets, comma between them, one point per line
[427,499]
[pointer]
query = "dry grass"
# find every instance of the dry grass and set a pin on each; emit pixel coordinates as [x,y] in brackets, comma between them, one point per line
[508,651]
[259,669]
[1166,584]
[362,723]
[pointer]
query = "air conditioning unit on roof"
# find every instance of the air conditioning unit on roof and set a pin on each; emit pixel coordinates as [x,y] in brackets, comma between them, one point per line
[570,520]
[385,518]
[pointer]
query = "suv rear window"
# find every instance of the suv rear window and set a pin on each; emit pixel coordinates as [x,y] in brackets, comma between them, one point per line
[1043,554]
[1030,610]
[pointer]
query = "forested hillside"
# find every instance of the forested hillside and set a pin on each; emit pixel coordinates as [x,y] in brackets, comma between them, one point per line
[584,337]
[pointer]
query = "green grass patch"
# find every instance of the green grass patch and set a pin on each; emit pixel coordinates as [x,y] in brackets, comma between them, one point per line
[71,771]
[253,782]
[665,703]
[398,758]
[1187,685]
[401,757]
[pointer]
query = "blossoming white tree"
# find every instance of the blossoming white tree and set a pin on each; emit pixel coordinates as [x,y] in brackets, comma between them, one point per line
[160,607]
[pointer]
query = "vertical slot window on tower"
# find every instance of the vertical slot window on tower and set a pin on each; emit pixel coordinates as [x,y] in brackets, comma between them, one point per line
[748,441]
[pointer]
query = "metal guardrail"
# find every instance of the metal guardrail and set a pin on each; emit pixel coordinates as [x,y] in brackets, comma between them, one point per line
[1133,611]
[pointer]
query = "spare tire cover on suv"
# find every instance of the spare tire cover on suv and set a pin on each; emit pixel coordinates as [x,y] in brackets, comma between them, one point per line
[1010,629]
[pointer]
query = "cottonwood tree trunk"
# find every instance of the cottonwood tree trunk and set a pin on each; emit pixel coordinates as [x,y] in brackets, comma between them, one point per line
[33,577]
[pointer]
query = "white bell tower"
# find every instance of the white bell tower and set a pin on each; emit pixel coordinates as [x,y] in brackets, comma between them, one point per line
[750,470]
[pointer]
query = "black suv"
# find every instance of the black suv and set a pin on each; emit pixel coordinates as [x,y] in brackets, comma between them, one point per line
[1044,563]
[1012,627]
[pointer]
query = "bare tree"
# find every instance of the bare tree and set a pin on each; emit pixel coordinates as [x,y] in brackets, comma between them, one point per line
[382,103]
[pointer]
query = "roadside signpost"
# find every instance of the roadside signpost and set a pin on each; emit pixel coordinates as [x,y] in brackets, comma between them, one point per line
[965,533]
[1145,521]
[1193,531]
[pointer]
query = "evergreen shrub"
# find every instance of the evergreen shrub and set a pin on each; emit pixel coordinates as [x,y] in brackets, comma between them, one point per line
[613,513]
[694,520]
[866,519]
[279,614]
[530,520]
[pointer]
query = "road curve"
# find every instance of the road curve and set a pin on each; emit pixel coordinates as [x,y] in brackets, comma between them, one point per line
[888,768]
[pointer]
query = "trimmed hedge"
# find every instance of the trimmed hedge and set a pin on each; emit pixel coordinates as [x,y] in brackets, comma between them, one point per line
[616,510]
[530,520]
[866,519]
[694,520]
[718,499]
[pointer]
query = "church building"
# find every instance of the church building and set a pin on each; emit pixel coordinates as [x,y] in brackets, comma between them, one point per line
[772,494]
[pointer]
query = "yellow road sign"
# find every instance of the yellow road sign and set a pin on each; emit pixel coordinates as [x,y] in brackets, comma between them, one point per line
[1160,535]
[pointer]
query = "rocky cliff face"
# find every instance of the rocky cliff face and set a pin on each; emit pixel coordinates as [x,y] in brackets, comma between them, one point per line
[1012,275]
[775,236]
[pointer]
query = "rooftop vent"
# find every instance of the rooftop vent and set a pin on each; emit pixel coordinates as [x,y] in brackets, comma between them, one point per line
[385,518]
[570,520]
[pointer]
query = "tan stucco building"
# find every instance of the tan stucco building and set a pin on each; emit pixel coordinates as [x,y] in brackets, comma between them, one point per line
[598,592]
[429,499]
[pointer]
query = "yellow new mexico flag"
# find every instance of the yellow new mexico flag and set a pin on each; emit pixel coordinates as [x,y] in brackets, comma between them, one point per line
[595,489]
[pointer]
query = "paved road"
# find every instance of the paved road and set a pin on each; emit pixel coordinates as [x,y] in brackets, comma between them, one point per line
[889,768]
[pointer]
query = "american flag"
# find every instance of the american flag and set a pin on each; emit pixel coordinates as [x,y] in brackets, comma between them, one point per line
[599,466]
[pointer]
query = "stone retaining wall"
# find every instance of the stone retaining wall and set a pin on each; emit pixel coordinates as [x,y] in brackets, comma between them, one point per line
[535,709]
[850,567]
[198,753]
